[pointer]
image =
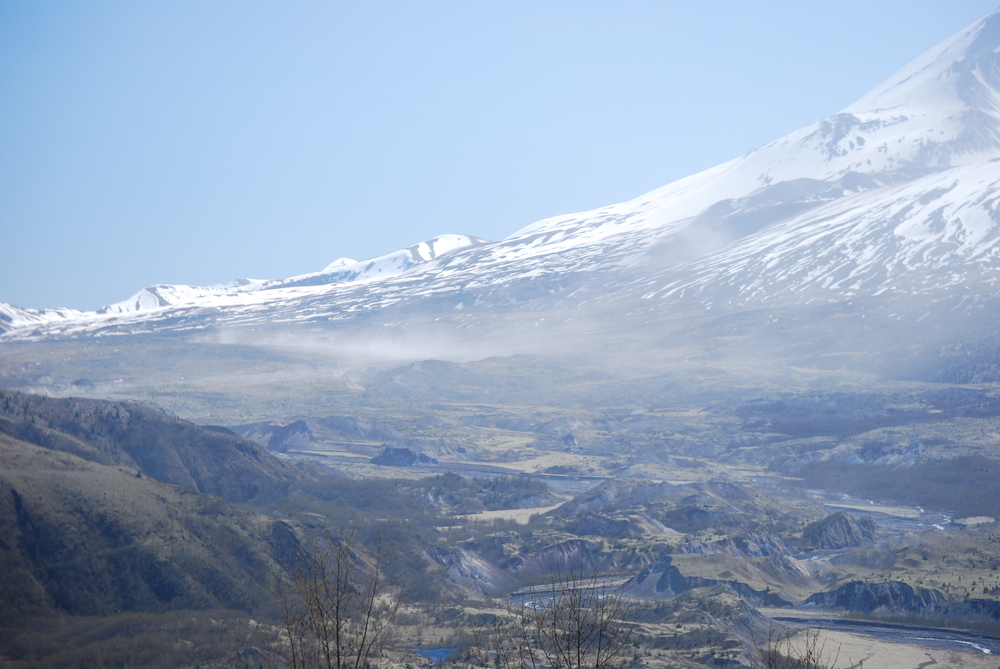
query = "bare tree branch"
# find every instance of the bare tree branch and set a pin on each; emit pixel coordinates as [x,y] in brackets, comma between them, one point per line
[573,623]
[338,613]
[778,652]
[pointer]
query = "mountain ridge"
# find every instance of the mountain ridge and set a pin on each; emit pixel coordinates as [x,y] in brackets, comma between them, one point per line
[896,196]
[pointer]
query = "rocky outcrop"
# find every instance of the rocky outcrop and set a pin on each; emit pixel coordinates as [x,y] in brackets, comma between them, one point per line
[716,617]
[693,518]
[664,580]
[752,544]
[470,570]
[307,433]
[401,457]
[786,570]
[566,556]
[596,525]
[984,609]
[615,494]
[886,597]
[618,494]
[898,598]
[839,530]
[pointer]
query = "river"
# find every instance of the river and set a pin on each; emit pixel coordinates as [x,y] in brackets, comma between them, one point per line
[931,637]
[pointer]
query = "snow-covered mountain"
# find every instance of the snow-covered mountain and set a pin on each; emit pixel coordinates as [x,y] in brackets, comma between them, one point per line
[896,196]
[18,318]
[340,271]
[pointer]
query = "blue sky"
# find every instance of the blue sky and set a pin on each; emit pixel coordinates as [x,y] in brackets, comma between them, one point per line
[175,142]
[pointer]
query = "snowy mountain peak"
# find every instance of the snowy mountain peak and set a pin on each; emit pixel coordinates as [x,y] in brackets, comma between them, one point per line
[345,270]
[339,263]
[899,194]
[939,112]
[17,318]
[961,71]
[155,297]
[342,270]
[443,244]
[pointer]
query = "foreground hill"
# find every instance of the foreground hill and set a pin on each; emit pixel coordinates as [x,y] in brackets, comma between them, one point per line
[108,507]
[124,434]
[84,538]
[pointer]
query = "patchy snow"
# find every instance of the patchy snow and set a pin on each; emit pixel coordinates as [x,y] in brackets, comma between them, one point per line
[896,194]
[941,110]
[342,270]
[346,270]
[17,318]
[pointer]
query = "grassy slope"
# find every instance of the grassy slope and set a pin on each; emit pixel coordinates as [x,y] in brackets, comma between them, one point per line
[92,539]
[168,449]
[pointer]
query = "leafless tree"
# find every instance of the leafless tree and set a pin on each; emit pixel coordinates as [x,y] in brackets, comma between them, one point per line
[779,652]
[338,611]
[574,622]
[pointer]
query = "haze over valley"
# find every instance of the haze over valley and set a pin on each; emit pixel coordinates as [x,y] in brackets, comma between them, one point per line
[763,397]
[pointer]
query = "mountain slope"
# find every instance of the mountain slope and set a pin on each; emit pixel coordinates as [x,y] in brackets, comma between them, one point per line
[18,318]
[84,538]
[893,199]
[340,271]
[170,450]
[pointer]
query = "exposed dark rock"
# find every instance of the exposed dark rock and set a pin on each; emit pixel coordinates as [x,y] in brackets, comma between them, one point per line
[306,432]
[470,570]
[839,530]
[596,525]
[886,597]
[574,555]
[490,548]
[692,518]
[286,542]
[663,580]
[401,457]
[898,598]
[988,609]
[287,436]
[220,428]
[752,544]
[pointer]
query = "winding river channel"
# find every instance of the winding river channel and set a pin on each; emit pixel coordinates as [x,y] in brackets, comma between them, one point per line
[931,637]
